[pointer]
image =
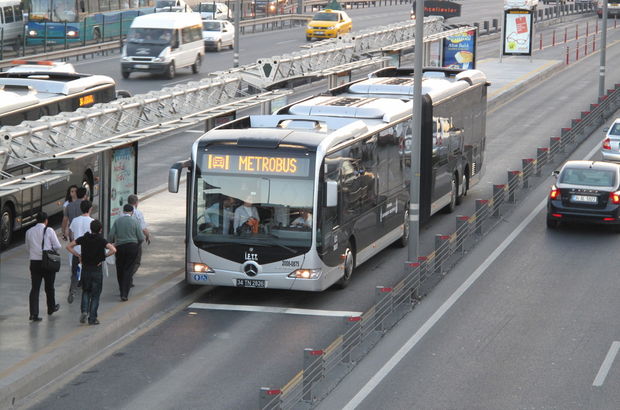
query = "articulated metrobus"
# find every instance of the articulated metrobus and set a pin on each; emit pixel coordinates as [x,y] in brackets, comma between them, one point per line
[298,199]
[29,96]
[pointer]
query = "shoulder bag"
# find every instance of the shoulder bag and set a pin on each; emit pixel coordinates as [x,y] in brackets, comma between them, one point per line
[51,258]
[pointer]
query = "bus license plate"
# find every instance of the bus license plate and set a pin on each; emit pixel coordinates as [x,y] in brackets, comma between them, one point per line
[142,66]
[584,198]
[250,283]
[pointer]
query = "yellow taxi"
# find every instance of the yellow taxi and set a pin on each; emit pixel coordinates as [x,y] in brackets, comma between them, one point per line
[328,24]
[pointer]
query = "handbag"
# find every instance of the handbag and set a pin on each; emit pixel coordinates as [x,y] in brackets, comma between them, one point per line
[51,258]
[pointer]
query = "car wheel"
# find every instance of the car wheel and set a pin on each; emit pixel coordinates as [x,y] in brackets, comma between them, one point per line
[448,209]
[404,239]
[6,226]
[308,38]
[218,47]
[349,266]
[196,65]
[552,223]
[125,74]
[171,72]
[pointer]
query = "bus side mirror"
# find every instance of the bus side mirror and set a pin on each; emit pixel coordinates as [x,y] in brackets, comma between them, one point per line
[331,190]
[174,175]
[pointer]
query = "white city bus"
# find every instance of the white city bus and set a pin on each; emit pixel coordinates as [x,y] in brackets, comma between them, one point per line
[298,199]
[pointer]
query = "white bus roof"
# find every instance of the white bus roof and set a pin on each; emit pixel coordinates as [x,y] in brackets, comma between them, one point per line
[12,101]
[351,106]
[169,20]
[55,85]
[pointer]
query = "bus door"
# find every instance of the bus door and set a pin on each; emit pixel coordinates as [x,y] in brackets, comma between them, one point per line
[442,178]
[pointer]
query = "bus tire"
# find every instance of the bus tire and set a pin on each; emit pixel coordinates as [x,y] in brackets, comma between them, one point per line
[6,226]
[196,65]
[448,209]
[171,71]
[125,74]
[349,267]
[404,239]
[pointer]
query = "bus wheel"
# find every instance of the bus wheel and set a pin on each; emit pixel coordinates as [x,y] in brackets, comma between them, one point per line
[349,265]
[462,188]
[453,194]
[196,65]
[170,73]
[404,240]
[6,226]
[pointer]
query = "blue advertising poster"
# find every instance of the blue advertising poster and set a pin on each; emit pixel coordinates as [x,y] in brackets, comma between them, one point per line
[459,50]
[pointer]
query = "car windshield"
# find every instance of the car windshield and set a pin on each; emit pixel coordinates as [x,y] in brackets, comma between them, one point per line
[588,176]
[165,3]
[211,26]
[325,17]
[149,35]
[615,129]
[206,7]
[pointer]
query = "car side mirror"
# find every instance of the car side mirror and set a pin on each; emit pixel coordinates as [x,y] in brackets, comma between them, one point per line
[176,44]
[555,173]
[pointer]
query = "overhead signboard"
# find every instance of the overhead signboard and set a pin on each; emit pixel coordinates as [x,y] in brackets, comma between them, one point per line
[459,50]
[443,8]
[517,32]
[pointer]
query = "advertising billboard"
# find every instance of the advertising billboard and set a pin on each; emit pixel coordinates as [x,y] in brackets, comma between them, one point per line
[459,50]
[123,179]
[517,32]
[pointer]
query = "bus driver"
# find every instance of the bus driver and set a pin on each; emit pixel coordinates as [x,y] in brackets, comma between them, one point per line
[246,218]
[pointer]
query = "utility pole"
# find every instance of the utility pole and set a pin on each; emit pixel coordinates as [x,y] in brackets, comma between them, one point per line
[237,33]
[601,70]
[416,137]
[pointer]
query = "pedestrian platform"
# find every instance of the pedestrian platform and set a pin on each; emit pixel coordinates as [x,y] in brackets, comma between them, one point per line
[32,354]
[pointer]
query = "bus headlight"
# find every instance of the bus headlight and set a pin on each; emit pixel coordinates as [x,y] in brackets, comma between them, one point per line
[305,274]
[32,33]
[71,33]
[199,268]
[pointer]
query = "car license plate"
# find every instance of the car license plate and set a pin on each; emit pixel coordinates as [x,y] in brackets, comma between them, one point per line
[250,283]
[319,33]
[584,198]
[141,66]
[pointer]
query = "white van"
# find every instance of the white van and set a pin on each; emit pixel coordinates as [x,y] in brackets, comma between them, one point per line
[213,11]
[521,4]
[161,43]
[171,5]
[11,22]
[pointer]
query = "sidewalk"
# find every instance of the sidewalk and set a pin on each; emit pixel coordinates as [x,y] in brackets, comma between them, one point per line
[33,354]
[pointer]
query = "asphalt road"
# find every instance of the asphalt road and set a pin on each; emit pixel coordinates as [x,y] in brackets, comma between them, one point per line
[219,359]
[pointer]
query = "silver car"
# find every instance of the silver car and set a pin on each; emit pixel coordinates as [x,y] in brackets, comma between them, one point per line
[611,144]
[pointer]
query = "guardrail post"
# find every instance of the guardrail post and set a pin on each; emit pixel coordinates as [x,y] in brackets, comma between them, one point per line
[423,268]
[441,242]
[495,25]
[383,305]
[270,399]
[554,147]
[527,164]
[481,206]
[499,191]
[541,159]
[351,337]
[462,232]
[513,185]
[566,135]
[313,372]
[2,43]
[485,25]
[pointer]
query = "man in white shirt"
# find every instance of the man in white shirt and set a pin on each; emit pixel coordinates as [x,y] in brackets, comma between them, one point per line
[39,238]
[77,228]
[245,213]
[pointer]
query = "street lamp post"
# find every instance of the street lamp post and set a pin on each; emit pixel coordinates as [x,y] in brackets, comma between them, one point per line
[601,70]
[237,33]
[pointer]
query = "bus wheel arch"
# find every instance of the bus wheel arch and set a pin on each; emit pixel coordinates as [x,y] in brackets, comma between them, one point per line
[448,209]
[7,216]
[348,264]
[463,185]
[404,239]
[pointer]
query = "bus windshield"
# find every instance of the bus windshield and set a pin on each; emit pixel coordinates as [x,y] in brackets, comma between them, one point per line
[253,209]
[53,10]
[150,35]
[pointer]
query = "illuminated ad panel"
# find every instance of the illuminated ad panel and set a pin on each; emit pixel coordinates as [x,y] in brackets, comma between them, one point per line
[517,32]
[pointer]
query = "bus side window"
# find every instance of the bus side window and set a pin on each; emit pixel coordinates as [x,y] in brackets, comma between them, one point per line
[8,14]
[18,13]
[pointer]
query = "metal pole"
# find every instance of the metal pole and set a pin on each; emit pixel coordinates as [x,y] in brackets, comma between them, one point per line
[601,70]
[416,137]
[237,33]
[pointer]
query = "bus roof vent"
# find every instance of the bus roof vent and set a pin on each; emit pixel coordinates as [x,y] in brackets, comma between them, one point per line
[346,106]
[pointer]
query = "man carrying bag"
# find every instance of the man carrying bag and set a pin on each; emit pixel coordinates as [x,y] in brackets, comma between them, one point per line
[40,241]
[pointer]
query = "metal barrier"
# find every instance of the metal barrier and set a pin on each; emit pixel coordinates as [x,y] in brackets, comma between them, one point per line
[323,369]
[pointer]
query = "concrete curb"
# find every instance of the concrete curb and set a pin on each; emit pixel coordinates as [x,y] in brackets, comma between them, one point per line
[61,356]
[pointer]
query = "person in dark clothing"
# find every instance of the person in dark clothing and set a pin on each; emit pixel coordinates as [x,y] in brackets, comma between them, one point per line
[92,256]
[126,234]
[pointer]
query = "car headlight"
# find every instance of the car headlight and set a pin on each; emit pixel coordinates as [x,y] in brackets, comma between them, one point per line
[305,274]
[309,27]
[199,268]
[330,28]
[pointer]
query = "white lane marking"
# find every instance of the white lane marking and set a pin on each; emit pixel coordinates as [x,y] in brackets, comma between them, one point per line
[428,325]
[606,365]
[287,41]
[195,131]
[273,309]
